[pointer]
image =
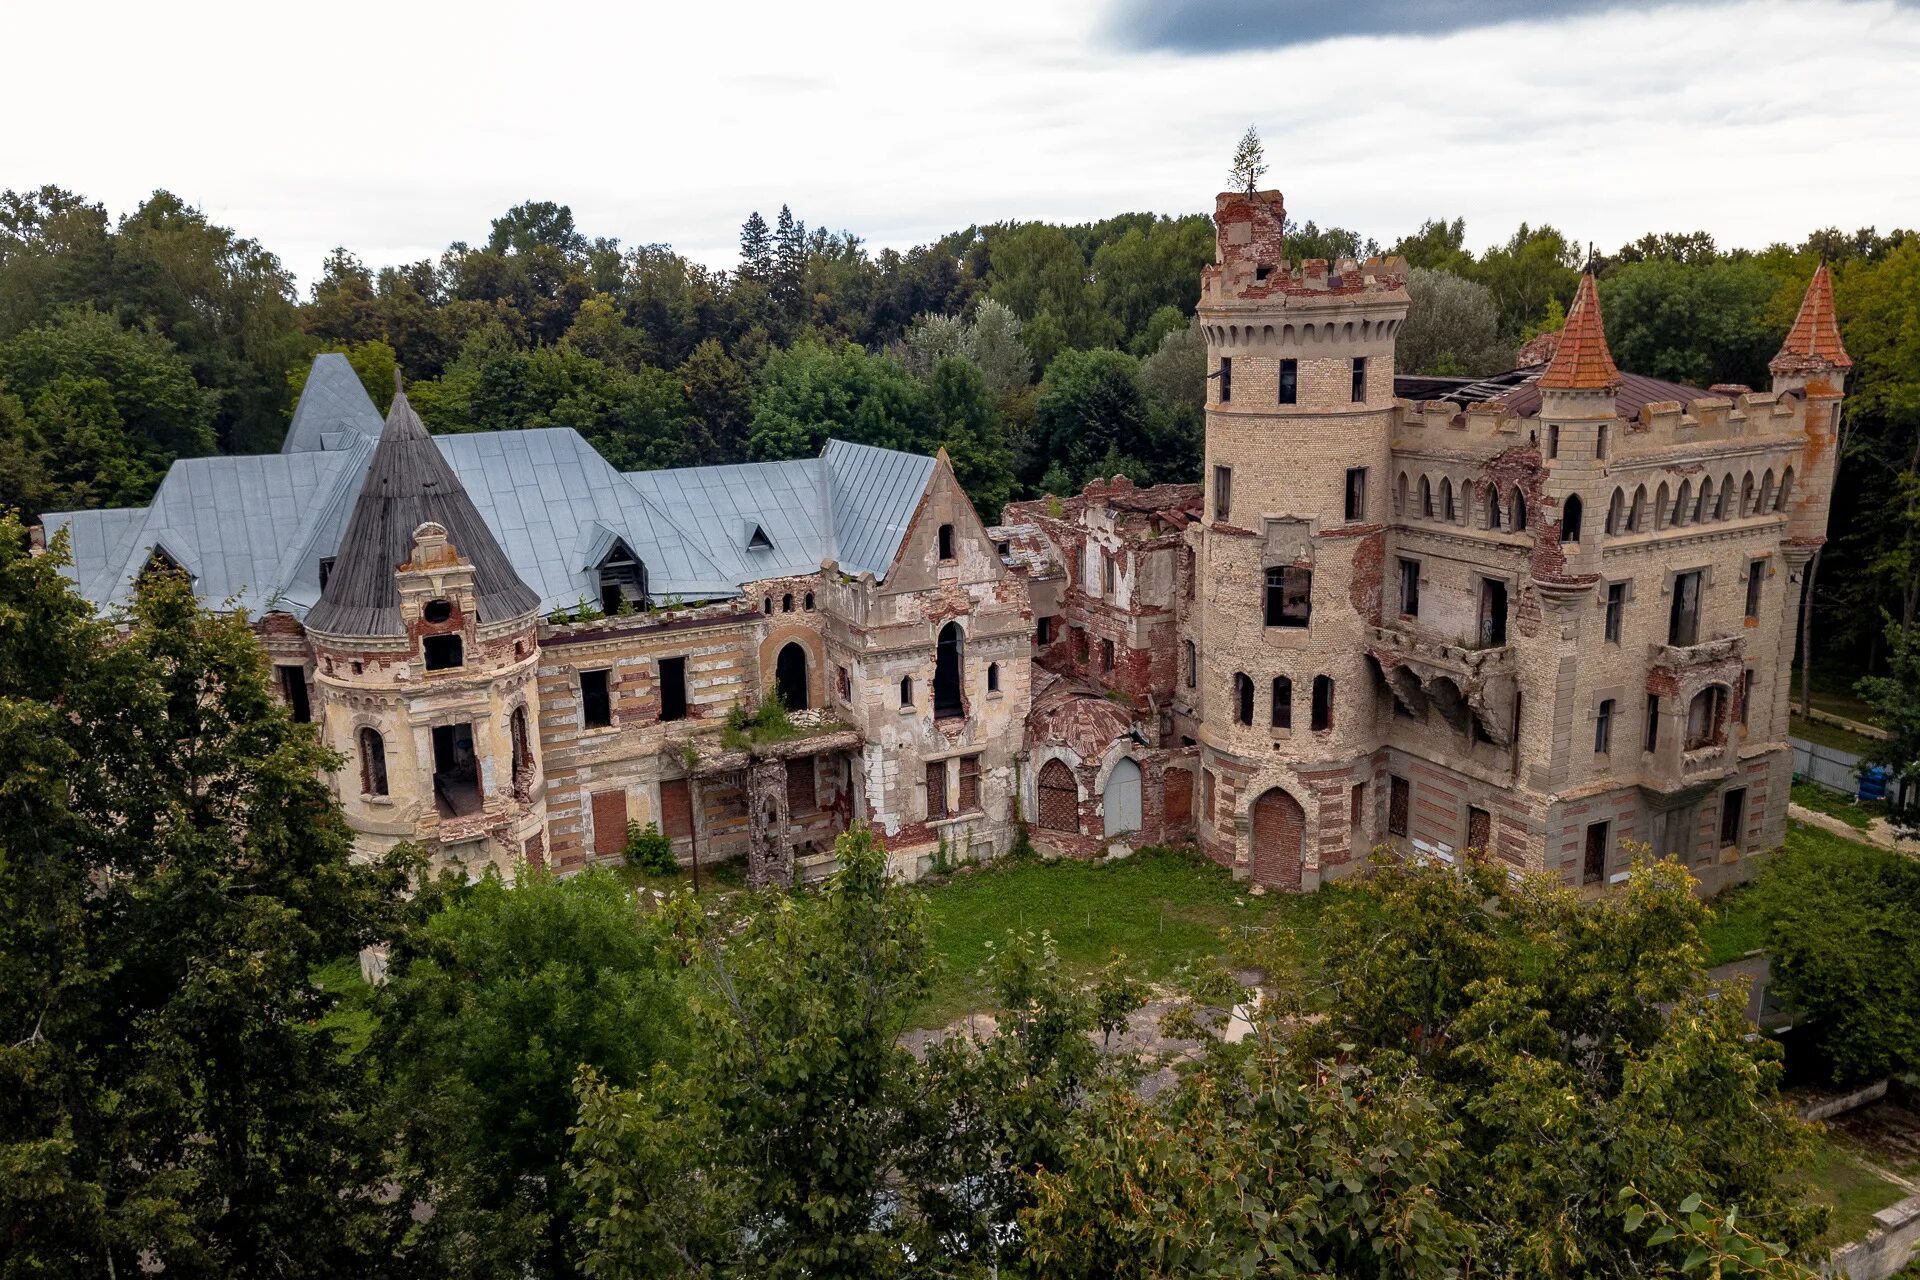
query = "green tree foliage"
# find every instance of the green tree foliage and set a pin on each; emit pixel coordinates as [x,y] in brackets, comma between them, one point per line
[1697,324]
[1249,162]
[720,398]
[172,870]
[1090,409]
[493,1005]
[967,425]
[1843,939]
[374,363]
[812,391]
[1452,328]
[1438,245]
[1536,267]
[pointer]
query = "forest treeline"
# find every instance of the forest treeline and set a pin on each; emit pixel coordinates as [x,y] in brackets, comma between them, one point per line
[1038,355]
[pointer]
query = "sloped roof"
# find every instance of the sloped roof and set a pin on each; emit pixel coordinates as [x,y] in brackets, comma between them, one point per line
[334,411]
[408,484]
[1631,391]
[1581,361]
[873,493]
[1815,337]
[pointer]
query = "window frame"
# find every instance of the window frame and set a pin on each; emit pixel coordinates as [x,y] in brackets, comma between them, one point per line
[590,697]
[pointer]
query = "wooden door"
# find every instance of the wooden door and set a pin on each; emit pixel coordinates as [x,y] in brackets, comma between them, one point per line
[1279,839]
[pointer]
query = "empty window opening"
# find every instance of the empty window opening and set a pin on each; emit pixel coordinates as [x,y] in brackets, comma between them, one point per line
[1410,588]
[1289,596]
[1493,612]
[1704,715]
[1226,379]
[1683,616]
[946,542]
[758,540]
[1616,609]
[1282,702]
[1652,740]
[1756,575]
[948,673]
[1733,808]
[786,603]
[766,605]
[456,771]
[1570,518]
[1242,698]
[596,700]
[803,787]
[1043,631]
[1109,581]
[1593,867]
[1399,805]
[326,567]
[1356,493]
[522,747]
[1357,814]
[1426,497]
[1553,440]
[1519,506]
[373,763]
[1106,655]
[993,677]
[1359,388]
[790,676]
[906,691]
[442,652]
[1193,666]
[1289,382]
[293,687]
[1222,492]
[436,612]
[1746,695]
[1322,703]
[807,603]
[623,581]
[845,684]
[673,688]
[1603,727]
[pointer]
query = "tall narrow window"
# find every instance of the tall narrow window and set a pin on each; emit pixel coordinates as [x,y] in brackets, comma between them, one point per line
[1322,702]
[1226,379]
[936,789]
[373,763]
[1106,655]
[1289,600]
[1553,440]
[1594,867]
[906,691]
[1222,492]
[1043,631]
[1193,666]
[293,687]
[1410,588]
[969,783]
[596,704]
[1289,382]
[673,688]
[522,748]
[1616,609]
[1282,702]
[1683,618]
[948,677]
[1399,805]
[1519,511]
[1733,807]
[946,542]
[1746,695]
[1493,612]
[1570,518]
[1653,722]
[1243,698]
[1356,493]
[1109,577]
[1600,443]
[1603,728]
[1359,388]
[1756,575]
[993,677]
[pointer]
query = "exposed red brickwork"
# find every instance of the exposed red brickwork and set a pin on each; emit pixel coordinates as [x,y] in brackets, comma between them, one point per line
[1279,831]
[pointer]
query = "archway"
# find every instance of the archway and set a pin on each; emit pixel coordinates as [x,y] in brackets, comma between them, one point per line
[1059,798]
[790,676]
[1279,837]
[1121,802]
[947,673]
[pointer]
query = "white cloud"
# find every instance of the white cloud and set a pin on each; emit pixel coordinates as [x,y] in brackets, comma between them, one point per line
[396,127]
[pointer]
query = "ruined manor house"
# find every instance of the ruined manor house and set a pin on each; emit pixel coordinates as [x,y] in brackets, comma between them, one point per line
[1540,615]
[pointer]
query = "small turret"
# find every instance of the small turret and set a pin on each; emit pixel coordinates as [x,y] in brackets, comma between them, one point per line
[1813,345]
[1581,360]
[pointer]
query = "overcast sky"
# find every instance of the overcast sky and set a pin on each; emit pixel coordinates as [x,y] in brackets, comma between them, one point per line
[396,127]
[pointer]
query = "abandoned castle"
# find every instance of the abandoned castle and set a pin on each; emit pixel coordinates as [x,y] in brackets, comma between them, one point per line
[1540,615]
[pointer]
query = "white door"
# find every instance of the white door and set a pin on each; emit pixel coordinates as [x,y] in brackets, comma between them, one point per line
[1121,803]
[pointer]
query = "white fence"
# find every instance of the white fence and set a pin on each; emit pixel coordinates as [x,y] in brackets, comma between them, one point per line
[1826,766]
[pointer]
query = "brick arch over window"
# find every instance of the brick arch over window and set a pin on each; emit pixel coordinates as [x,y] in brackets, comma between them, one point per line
[1059,797]
[1279,839]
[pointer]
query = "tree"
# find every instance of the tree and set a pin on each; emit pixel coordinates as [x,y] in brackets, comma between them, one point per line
[1438,245]
[933,338]
[811,392]
[493,1006]
[967,426]
[756,249]
[1452,328]
[374,363]
[1697,324]
[1843,940]
[1536,268]
[1002,358]
[175,868]
[720,396]
[1090,405]
[1249,162]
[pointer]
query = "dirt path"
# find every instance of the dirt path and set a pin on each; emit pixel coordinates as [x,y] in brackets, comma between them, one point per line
[1878,832]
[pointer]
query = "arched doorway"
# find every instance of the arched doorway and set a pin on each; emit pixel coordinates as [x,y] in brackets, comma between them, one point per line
[1279,836]
[1059,798]
[1121,802]
[947,673]
[790,676]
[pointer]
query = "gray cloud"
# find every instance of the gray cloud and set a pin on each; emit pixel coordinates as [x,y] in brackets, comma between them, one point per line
[1227,26]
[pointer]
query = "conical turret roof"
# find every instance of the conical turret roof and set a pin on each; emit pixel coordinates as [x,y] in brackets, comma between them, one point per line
[1581,361]
[408,484]
[1815,337]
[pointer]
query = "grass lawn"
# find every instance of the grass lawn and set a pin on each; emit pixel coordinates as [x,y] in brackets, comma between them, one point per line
[1855,1192]
[1855,813]
[352,1017]
[1162,908]
[1738,926]
[1828,735]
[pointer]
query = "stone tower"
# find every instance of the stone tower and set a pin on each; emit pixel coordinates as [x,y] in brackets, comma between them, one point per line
[426,652]
[1289,575]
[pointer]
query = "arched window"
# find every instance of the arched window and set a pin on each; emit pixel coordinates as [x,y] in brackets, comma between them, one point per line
[373,763]
[1766,494]
[1282,702]
[1400,497]
[906,691]
[766,605]
[948,677]
[1746,495]
[1242,698]
[808,603]
[786,603]
[1570,518]
[1786,490]
[1493,507]
[993,677]
[522,748]
[1519,510]
[1637,513]
[1683,502]
[946,542]
[1426,497]
[1616,511]
[1703,509]
[1059,797]
[1322,703]
[790,676]
[1446,499]
[1662,501]
[1725,503]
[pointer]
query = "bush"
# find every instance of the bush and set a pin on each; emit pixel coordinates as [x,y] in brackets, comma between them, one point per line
[649,850]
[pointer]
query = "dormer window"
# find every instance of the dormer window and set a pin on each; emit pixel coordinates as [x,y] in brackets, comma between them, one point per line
[436,612]
[326,570]
[757,540]
[623,580]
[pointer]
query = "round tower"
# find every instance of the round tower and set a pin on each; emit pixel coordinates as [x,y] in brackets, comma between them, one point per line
[426,648]
[1299,419]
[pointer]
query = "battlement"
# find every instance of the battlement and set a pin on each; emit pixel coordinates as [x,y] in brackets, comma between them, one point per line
[1250,263]
[1493,425]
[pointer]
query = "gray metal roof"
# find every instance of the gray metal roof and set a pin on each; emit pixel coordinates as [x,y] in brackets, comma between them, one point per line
[253,530]
[409,484]
[334,411]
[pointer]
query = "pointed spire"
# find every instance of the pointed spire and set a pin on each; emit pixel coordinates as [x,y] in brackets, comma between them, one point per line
[409,483]
[1814,341]
[1581,361]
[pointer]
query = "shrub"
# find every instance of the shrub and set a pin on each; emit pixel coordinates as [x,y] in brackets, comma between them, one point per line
[649,850]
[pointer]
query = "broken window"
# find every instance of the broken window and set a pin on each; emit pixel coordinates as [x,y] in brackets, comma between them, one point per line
[1399,805]
[947,673]
[373,763]
[1222,492]
[1493,612]
[673,688]
[1359,380]
[803,797]
[1289,596]
[1653,722]
[1603,727]
[596,700]
[1289,382]
[1356,493]
[1616,609]
[1703,717]
[1226,379]
[442,652]
[1570,518]
[946,542]
[1756,575]
[623,581]
[456,772]
[1683,619]
[293,687]
[1594,869]
[1243,698]
[1733,807]
[1410,588]
[1322,703]
[1282,702]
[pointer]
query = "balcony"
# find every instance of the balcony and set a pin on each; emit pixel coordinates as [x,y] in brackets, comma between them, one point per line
[1463,682]
[1685,657]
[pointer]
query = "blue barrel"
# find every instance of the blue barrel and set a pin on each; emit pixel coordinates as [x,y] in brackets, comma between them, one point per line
[1873,782]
